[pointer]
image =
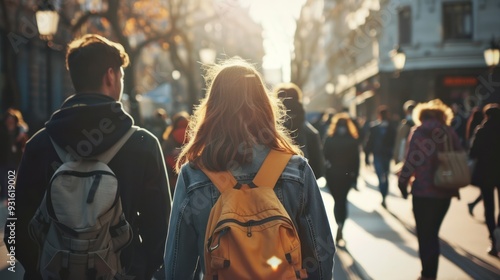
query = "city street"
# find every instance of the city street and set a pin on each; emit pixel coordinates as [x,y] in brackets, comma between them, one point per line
[381,243]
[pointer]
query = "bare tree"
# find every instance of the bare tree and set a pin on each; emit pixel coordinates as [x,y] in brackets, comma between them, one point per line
[308,33]
[136,24]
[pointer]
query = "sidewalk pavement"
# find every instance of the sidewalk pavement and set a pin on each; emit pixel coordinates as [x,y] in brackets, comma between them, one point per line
[382,244]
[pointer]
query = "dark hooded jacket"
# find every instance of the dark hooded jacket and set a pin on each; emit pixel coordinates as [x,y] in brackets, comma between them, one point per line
[486,150]
[89,124]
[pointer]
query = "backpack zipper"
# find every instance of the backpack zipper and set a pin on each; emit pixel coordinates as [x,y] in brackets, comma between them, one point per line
[252,222]
[248,224]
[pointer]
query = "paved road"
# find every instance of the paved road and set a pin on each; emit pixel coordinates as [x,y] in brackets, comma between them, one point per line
[381,243]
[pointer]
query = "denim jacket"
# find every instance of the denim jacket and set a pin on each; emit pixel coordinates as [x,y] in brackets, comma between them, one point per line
[296,189]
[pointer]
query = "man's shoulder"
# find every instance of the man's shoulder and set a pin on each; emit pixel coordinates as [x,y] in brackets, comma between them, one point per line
[39,138]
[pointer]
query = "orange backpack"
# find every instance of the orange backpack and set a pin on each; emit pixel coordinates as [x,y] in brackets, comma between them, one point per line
[249,233]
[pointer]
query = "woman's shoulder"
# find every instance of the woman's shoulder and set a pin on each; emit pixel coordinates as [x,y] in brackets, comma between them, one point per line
[295,169]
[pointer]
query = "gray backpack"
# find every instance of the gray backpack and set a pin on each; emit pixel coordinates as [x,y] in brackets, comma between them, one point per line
[80,227]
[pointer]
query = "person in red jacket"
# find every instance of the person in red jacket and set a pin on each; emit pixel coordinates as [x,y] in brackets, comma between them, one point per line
[173,139]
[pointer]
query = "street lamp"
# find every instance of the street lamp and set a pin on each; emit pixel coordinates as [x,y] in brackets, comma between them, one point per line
[207,55]
[492,54]
[330,88]
[47,20]
[398,58]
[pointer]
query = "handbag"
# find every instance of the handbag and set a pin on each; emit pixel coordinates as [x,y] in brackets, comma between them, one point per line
[453,171]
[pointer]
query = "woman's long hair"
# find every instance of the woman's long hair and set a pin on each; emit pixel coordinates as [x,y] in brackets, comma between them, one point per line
[236,114]
[344,119]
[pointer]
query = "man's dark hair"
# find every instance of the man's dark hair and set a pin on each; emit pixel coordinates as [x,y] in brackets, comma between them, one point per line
[89,57]
[383,112]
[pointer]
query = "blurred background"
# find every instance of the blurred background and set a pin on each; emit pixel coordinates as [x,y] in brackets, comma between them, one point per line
[345,54]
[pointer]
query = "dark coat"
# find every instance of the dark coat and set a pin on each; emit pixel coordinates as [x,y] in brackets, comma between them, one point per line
[310,143]
[486,150]
[342,157]
[381,140]
[96,121]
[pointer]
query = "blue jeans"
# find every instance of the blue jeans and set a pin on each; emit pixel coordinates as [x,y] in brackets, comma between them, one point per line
[381,164]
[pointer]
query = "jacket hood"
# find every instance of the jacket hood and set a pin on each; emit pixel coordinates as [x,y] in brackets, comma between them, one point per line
[88,124]
[429,125]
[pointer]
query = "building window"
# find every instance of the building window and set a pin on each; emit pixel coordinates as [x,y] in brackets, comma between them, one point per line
[404,17]
[457,20]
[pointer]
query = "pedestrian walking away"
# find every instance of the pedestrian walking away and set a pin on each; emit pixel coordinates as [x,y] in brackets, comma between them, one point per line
[233,133]
[380,143]
[400,145]
[341,150]
[90,125]
[303,133]
[13,137]
[473,123]
[486,151]
[430,204]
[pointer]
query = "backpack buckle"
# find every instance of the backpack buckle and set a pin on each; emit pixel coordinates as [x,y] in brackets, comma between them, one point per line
[222,232]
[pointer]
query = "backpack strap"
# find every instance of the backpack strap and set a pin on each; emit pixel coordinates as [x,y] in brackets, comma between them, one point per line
[222,180]
[108,155]
[104,157]
[271,169]
[266,177]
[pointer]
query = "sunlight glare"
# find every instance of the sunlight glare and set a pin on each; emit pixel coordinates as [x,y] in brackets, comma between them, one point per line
[274,262]
[278,20]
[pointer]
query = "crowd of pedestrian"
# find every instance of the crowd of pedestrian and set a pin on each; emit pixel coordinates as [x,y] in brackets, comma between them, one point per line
[169,177]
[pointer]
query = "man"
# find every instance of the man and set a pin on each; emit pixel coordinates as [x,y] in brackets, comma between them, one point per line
[303,133]
[403,131]
[87,124]
[381,143]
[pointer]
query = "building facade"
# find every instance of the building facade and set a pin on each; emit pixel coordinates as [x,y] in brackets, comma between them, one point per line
[443,41]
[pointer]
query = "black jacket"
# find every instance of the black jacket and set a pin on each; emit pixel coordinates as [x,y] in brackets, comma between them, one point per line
[342,156]
[309,141]
[381,140]
[89,124]
[486,150]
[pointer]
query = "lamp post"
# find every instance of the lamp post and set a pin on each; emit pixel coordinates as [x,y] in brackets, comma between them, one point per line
[492,54]
[47,20]
[330,88]
[398,58]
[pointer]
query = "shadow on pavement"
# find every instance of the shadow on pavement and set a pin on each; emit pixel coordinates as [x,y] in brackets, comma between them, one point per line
[378,227]
[469,263]
[375,188]
[346,267]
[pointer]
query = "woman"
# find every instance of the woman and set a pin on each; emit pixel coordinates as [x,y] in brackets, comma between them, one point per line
[233,129]
[486,151]
[341,151]
[13,137]
[173,139]
[430,204]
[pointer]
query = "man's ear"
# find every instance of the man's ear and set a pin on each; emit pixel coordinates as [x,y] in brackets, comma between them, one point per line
[109,78]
